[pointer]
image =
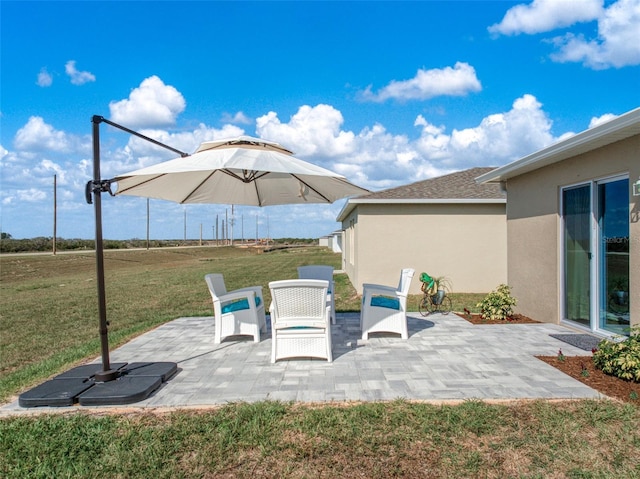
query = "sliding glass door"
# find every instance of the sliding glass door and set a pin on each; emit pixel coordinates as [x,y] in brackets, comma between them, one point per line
[613,254]
[595,219]
[576,214]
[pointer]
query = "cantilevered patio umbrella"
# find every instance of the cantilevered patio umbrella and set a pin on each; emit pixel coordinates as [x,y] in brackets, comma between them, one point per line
[241,171]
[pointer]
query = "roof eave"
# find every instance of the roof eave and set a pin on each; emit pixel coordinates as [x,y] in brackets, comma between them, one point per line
[353,202]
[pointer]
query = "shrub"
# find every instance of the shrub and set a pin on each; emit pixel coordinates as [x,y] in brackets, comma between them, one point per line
[497,305]
[620,359]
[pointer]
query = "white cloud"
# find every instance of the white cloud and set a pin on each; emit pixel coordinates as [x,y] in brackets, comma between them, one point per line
[375,158]
[44,78]
[48,168]
[599,120]
[31,195]
[456,81]
[78,77]
[312,131]
[498,139]
[238,117]
[617,44]
[152,104]
[37,135]
[546,15]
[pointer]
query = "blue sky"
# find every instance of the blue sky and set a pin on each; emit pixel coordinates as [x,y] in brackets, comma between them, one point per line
[385,93]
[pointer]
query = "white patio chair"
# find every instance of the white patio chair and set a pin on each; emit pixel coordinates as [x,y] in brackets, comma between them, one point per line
[321,272]
[236,313]
[300,324]
[384,308]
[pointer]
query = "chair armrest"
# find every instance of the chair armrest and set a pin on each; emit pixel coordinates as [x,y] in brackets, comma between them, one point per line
[297,324]
[372,289]
[238,294]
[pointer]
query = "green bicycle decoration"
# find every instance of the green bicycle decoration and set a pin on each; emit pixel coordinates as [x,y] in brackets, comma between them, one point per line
[434,297]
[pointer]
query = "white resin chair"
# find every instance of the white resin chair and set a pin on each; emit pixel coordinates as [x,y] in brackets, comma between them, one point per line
[300,324]
[325,273]
[384,308]
[236,313]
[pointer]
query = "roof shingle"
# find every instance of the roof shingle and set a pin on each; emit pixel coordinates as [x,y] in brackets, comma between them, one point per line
[460,185]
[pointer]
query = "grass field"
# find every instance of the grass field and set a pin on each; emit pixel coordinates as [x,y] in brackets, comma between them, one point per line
[48,323]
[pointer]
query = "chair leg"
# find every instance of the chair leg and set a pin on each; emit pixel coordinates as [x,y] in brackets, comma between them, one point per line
[273,347]
[217,331]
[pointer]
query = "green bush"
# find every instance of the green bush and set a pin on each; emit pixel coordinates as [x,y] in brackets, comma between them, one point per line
[497,305]
[620,359]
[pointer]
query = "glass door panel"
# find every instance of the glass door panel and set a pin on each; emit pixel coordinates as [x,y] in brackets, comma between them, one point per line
[613,252]
[576,213]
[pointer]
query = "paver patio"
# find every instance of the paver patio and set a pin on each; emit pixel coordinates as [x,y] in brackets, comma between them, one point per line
[445,358]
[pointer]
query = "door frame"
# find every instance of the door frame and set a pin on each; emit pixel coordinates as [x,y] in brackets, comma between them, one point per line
[595,280]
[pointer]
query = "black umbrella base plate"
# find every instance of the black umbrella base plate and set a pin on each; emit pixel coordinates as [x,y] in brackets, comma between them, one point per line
[135,382]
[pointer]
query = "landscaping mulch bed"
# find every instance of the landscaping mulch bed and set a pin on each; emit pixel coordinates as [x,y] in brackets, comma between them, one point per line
[583,369]
[515,319]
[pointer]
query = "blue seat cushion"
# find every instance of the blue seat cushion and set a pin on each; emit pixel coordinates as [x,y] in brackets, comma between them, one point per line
[385,302]
[238,305]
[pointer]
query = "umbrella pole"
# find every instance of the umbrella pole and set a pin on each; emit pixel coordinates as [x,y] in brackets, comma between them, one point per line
[107,374]
[93,191]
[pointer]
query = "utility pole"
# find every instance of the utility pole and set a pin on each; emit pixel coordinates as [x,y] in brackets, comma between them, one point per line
[232,222]
[55,211]
[147,223]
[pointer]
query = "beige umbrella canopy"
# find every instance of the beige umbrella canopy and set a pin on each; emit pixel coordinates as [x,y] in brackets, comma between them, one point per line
[241,171]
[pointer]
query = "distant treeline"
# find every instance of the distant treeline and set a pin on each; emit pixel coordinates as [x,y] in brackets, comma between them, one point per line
[43,244]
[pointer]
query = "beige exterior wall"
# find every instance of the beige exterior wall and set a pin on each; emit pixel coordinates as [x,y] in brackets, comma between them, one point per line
[534,227]
[465,242]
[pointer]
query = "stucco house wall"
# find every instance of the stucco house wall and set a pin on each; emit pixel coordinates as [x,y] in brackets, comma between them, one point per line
[534,187]
[534,226]
[465,243]
[464,239]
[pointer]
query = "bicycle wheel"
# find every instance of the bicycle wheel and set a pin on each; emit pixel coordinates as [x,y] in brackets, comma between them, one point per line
[423,306]
[444,307]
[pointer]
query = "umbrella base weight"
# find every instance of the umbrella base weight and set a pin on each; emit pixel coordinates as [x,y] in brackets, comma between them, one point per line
[105,376]
[134,382]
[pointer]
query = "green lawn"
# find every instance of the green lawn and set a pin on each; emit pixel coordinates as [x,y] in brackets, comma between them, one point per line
[584,439]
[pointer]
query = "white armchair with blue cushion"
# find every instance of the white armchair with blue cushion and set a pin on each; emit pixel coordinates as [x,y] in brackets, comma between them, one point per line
[384,308]
[236,313]
[319,271]
[300,324]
